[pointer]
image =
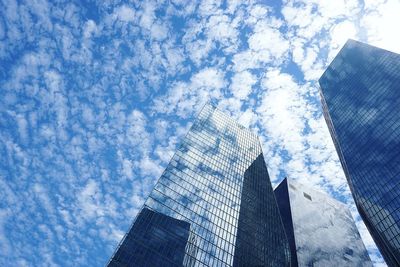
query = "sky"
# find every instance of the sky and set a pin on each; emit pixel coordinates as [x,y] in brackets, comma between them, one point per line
[96,96]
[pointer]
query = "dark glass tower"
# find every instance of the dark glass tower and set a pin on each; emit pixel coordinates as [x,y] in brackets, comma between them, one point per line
[320,230]
[155,240]
[360,94]
[213,205]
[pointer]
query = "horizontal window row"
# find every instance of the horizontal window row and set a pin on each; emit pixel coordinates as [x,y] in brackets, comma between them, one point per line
[207,138]
[205,239]
[224,226]
[229,187]
[221,210]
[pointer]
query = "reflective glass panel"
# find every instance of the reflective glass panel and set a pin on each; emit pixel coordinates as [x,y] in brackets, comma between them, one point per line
[360,94]
[216,197]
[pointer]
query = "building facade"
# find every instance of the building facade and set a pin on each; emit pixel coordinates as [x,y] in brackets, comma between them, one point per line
[212,206]
[320,229]
[360,92]
[155,239]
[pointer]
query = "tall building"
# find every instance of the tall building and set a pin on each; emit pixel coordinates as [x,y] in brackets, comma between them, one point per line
[215,196]
[320,229]
[360,94]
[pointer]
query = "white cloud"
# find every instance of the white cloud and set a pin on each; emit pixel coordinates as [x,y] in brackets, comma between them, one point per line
[159,31]
[300,17]
[209,78]
[53,81]
[308,20]
[147,17]
[88,115]
[90,29]
[258,12]
[221,28]
[242,83]
[248,118]
[340,33]
[125,13]
[185,98]
[380,23]
[136,133]
[5,245]
[198,49]
[336,9]
[102,96]
[22,128]
[127,168]
[175,57]
[282,111]
[208,7]
[307,58]
[268,40]
[89,200]
[267,45]
[150,167]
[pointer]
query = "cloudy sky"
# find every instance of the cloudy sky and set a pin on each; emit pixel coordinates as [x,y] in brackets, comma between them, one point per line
[95,98]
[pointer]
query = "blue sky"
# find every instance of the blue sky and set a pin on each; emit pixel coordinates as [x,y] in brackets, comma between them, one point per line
[95,97]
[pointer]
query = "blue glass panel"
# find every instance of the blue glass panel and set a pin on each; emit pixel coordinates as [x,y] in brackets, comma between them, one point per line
[360,94]
[321,230]
[214,192]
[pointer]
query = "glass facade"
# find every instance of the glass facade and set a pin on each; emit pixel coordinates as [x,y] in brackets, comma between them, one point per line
[155,240]
[216,197]
[320,230]
[360,94]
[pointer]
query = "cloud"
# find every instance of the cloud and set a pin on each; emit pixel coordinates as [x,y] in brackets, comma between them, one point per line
[127,168]
[266,45]
[87,198]
[221,28]
[267,40]
[96,99]
[379,24]
[148,17]
[208,7]
[282,110]
[186,97]
[125,13]
[340,33]
[159,31]
[149,167]
[5,244]
[242,84]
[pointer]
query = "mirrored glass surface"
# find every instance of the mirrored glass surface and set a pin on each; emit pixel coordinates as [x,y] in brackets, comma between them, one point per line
[321,230]
[360,94]
[217,189]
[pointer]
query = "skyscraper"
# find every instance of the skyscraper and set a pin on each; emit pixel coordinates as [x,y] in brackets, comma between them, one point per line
[360,94]
[320,229]
[215,197]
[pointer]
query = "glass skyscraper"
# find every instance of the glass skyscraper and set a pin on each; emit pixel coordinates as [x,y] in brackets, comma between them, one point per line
[360,94]
[320,229]
[213,205]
